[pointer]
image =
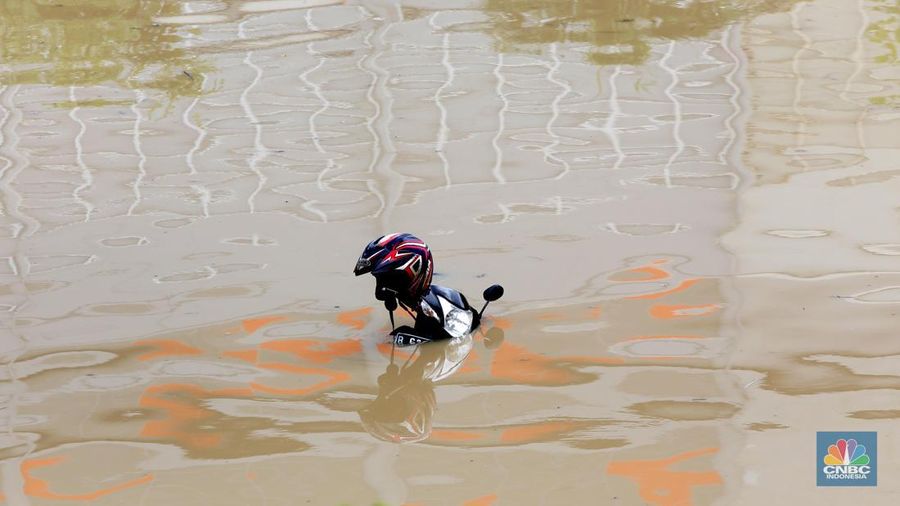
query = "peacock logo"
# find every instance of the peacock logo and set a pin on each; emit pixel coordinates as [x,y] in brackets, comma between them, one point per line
[847,459]
[846,452]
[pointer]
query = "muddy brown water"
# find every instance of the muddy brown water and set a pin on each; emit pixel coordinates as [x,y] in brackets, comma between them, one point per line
[692,206]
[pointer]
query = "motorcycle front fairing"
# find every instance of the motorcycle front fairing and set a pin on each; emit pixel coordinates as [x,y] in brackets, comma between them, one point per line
[447,312]
[443,313]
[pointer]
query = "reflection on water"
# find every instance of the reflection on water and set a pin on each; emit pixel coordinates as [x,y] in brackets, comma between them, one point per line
[884,33]
[209,396]
[404,407]
[619,32]
[691,292]
[84,43]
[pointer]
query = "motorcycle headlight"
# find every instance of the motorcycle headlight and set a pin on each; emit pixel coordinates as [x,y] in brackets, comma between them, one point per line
[458,322]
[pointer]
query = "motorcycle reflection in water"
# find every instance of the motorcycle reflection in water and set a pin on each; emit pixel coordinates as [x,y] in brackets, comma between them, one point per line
[404,408]
[442,335]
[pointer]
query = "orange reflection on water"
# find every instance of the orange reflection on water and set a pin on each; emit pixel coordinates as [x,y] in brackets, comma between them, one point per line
[659,485]
[640,274]
[316,351]
[180,414]
[310,350]
[512,435]
[36,487]
[182,407]
[251,325]
[455,435]
[667,312]
[485,500]
[684,285]
[246,355]
[551,315]
[355,318]
[518,364]
[537,432]
[166,348]
[333,378]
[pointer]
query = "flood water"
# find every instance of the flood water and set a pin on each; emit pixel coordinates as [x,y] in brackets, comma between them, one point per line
[692,206]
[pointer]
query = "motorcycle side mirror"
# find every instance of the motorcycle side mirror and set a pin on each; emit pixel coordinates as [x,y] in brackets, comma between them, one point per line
[493,293]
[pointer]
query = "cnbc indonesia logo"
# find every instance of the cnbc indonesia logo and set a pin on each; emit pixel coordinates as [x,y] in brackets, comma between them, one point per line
[847,461]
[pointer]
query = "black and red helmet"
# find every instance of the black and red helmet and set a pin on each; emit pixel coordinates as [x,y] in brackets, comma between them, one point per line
[401,263]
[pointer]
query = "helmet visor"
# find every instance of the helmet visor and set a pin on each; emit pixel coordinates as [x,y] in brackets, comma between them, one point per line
[363,265]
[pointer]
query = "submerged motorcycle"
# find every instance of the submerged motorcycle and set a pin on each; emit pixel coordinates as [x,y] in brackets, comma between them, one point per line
[443,313]
[402,265]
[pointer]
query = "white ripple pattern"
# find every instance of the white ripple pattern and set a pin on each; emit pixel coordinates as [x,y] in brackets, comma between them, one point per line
[800,135]
[443,129]
[501,121]
[12,199]
[7,114]
[259,149]
[676,106]
[375,153]
[615,112]
[87,179]
[139,96]
[201,134]
[359,136]
[381,93]
[314,134]
[565,89]
[324,105]
[858,53]
[734,96]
